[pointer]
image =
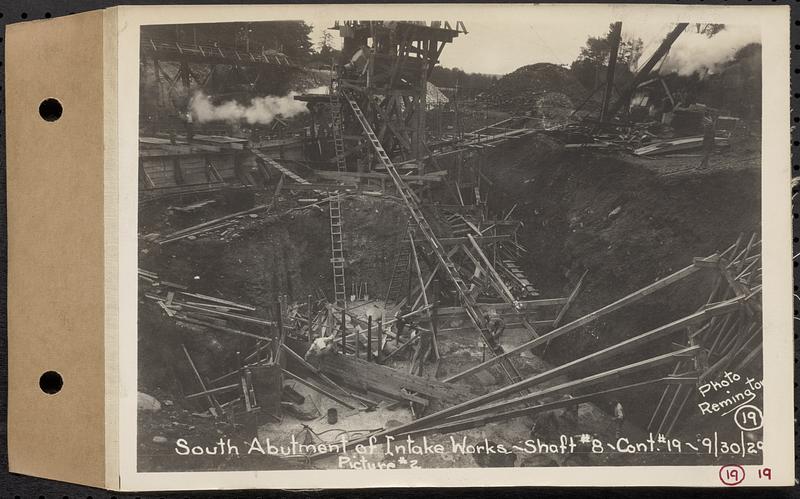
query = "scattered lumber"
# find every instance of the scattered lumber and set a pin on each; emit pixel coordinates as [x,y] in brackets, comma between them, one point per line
[199,228]
[555,333]
[189,208]
[570,299]
[345,176]
[383,379]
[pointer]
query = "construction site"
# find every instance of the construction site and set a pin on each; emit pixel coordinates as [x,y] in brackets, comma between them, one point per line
[345,253]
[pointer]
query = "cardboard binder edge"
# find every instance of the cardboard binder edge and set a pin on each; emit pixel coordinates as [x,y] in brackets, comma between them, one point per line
[56,249]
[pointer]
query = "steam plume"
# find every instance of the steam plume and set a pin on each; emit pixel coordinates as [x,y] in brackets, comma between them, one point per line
[260,110]
[696,53]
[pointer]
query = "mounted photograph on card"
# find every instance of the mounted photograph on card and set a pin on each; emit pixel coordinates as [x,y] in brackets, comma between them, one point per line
[388,244]
[526,244]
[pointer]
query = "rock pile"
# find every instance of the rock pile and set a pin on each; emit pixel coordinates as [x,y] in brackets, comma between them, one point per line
[522,89]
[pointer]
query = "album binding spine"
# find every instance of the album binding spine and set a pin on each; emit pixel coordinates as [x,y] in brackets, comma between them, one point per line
[57,247]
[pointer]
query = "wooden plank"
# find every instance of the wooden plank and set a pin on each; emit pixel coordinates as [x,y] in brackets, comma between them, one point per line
[452,241]
[570,298]
[401,347]
[271,162]
[215,409]
[382,378]
[220,300]
[317,388]
[586,319]
[429,177]
[254,320]
[524,305]
[614,350]
[460,425]
[322,187]
[477,410]
[504,291]
[213,391]
[509,325]
[213,222]
[501,285]
[434,422]
[224,329]
[300,360]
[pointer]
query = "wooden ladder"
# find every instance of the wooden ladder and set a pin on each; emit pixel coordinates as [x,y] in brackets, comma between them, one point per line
[271,162]
[402,266]
[337,250]
[412,202]
[338,131]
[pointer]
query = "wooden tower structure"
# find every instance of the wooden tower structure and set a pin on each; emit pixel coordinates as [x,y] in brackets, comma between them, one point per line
[385,66]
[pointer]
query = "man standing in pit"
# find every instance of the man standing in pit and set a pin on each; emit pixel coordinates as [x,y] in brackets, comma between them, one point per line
[496,326]
[400,320]
[709,131]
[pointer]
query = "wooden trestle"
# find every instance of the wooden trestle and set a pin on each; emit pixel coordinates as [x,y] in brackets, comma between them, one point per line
[446,264]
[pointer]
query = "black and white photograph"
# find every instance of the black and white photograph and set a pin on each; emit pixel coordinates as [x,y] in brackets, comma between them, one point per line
[415,244]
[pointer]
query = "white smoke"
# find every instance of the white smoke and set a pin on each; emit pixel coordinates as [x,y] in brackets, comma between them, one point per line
[318,90]
[694,52]
[260,110]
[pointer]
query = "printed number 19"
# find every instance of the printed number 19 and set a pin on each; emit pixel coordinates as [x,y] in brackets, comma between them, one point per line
[748,418]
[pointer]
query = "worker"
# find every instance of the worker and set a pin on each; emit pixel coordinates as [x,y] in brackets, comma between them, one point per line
[619,418]
[709,131]
[320,347]
[496,326]
[423,349]
[400,320]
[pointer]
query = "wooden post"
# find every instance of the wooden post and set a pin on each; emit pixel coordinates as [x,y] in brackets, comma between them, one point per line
[435,325]
[357,336]
[369,338]
[380,339]
[279,322]
[408,281]
[344,332]
[248,406]
[310,319]
[330,330]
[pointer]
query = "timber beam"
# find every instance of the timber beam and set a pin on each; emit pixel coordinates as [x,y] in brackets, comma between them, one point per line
[586,319]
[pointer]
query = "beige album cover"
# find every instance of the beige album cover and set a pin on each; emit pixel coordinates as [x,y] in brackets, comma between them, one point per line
[452,245]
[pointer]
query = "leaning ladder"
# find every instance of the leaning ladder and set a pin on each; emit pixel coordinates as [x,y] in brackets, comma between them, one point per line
[412,203]
[335,208]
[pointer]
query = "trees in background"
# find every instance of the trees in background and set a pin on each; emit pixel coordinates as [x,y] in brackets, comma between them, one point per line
[590,66]
[469,84]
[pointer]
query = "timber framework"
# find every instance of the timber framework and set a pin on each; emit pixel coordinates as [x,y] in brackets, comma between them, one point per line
[459,274]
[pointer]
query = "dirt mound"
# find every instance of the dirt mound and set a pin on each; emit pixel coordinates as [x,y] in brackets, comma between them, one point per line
[524,88]
[627,223]
[611,213]
[289,254]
